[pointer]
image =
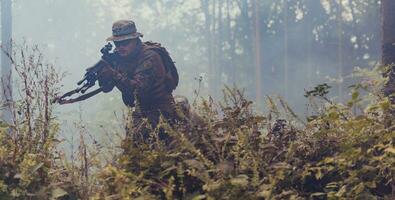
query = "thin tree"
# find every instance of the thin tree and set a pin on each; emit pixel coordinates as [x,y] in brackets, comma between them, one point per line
[232,50]
[219,39]
[257,47]
[309,19]
[388,42]
[340,49]
[214,52]
[209,39]
[6,70]
[285,8]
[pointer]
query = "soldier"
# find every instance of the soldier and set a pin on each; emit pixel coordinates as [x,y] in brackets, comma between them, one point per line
[143,73]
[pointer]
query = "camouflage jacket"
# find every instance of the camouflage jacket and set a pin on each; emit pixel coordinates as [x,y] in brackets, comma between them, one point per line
[142,75]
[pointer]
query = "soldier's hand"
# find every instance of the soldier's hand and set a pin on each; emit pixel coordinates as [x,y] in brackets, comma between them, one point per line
[105,72]
[106,78]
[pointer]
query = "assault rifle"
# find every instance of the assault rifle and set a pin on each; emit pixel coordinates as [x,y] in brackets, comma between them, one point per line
[89,79]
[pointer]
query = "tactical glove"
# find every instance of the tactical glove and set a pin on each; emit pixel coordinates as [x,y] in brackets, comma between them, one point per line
[106,79]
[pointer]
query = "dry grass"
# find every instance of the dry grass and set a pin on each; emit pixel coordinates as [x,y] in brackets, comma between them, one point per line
[230,152]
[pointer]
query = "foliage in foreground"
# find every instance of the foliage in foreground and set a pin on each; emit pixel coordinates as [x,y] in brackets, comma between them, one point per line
[234,153]
[31,165]
[226,152]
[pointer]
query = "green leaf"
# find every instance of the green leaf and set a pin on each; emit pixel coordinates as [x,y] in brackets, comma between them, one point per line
[318,174]
[241,180]
[359,188]
[390,150]
[328,160]
[342,191]
[58,192]
[355,95]
[318,195]
[199,197]
[38,166]
[265,191]
[371,184]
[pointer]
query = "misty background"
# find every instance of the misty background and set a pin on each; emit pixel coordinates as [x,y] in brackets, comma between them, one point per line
[267,47]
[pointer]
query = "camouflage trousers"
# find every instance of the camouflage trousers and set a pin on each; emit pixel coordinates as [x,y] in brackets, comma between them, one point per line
[145,118]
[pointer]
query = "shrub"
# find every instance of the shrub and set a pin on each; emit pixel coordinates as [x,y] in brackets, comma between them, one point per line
[236,153]
[226,151]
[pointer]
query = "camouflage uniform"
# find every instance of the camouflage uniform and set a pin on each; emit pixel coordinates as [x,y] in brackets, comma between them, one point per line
[142,75]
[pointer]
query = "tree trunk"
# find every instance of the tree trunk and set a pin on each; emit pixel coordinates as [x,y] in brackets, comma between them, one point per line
[244,33]
[286,86]
[214,47]
[232,50]
[340,51]
[6,69]
[219,47]
[257,52]
[388,42]
[309,46]
[207,17]
[388,31]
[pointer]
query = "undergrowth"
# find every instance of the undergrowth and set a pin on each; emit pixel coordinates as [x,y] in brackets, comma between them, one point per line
[225,151]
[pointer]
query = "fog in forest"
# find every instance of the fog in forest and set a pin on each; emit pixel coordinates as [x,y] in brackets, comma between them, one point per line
[267,47]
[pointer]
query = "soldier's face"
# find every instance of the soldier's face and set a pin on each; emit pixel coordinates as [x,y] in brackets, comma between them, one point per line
[125,47]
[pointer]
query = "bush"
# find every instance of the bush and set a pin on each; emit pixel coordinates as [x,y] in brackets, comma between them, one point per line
[29,164]
[235,153]
[226,151]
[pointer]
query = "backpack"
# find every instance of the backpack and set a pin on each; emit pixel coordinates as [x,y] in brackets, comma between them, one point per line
[171,70]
